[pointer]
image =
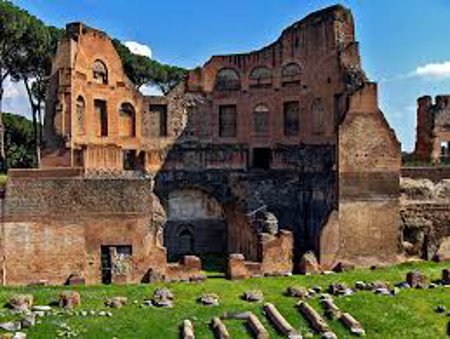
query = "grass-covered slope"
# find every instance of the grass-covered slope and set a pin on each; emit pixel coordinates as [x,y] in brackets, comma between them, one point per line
[410,314]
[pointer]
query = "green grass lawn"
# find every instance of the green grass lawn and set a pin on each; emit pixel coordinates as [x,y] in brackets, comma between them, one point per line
[410,314]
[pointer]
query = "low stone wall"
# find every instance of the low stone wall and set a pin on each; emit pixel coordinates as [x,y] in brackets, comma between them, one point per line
[277,258]
[435,174]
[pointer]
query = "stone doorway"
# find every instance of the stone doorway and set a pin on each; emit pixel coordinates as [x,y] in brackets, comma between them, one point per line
[115,263]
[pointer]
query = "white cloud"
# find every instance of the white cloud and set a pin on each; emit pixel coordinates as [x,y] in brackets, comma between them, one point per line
[15,98]
[435,70]
[138,49]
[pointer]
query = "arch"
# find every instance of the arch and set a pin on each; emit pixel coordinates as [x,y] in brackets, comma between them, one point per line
[127,117]
[260,119]
[261,76]
[291,73]
[228,79]
[100,72]
[186,208]
[80,115]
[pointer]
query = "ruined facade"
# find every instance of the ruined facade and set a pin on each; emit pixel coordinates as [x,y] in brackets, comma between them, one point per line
[268,154]
[433,130]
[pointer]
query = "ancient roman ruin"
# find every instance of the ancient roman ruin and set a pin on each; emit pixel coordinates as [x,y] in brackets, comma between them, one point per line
[258,158]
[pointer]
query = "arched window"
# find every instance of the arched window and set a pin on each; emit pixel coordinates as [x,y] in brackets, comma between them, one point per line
[127,116]
[80,116]
[291,73]
[228,79]
[100,72]
[261,77]
[260,119]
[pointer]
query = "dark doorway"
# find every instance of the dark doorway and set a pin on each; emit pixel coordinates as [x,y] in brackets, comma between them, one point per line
[111,258]
[262,158]
[106,265]
[102,115]
[186,242]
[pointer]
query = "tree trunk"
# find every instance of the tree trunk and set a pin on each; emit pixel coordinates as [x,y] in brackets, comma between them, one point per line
[2,129]
[34,111]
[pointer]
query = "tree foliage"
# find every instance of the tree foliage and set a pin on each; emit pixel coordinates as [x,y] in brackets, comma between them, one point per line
[142,70]
[19,141]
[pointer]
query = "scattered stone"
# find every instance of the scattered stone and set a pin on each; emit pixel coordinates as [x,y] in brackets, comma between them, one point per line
[440,309]
[116,302]
[403,285]
[315,320]
[340,289]
[352,324]
[21,302]
[395,291]
[279,321]
[297,292]
[309,264]
[219,328]
[379,284]
[76,280]
[432,286]
[188,330]
[343,267]
[253,296]
[69,299]
[209,299]
[257,327]
[163,297]
[39,314]
[361,285]
[42,308]
[238,316]
[28,320]
[331,310]
[415,279]
[84,313]
[102,314]
[19,335]
[11,326]
[329,335]
[382,291]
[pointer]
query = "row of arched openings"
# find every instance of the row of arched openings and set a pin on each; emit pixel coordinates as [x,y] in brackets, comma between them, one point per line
[127,118]
[261,76]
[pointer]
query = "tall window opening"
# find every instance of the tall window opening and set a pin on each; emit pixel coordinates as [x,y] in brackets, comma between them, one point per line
[102,116]
[227,121]
[291,118]
[127,116]
[80,115]
[160,112]
[260,120]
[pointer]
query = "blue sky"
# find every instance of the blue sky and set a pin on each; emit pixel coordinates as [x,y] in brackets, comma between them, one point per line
[404,43]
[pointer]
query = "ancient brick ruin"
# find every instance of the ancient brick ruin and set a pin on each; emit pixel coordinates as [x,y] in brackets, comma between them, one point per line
[268,154]
[433,130]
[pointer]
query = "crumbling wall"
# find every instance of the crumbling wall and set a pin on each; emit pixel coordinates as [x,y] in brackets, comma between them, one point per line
[425,216]
[369,171]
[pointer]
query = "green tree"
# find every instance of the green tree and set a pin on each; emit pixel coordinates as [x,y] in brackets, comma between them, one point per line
[13,23]
[19,141]
[142,70]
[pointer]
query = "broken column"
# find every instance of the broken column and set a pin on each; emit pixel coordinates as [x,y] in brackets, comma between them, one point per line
[257,327]
[331,310]
[188,330]
[352,324]
[279,321]
[219,328]
[315,320]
